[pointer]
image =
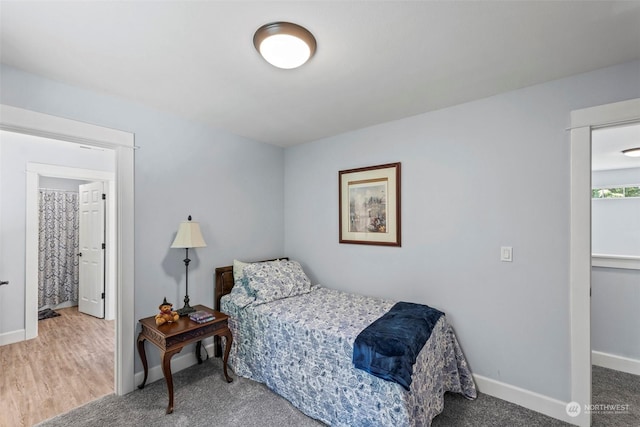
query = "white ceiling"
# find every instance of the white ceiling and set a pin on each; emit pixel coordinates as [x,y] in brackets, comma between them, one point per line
[375,62]
[607,145]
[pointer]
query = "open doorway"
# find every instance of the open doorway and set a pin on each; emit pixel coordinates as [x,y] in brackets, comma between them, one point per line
[582,123]
[59,256]
[37,172]
[75,251]
[27,122]
[615,241]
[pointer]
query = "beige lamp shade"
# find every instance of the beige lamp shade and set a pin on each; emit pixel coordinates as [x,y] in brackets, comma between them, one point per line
[189,236]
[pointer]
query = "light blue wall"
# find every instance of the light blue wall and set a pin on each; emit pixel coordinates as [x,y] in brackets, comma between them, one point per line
[475,177]
[231,185]
[60,183]
[615,312]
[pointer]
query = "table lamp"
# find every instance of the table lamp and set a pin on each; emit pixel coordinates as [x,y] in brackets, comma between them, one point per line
[188,236]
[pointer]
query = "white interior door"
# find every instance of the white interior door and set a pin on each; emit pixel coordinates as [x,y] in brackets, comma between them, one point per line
[92,251]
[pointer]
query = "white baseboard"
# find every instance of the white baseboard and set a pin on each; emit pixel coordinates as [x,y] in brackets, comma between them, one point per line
[525,398]
[12,337]
[178,363]
[619,363]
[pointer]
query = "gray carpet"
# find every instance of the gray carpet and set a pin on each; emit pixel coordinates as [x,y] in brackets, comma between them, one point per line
[203,398]
[615,388]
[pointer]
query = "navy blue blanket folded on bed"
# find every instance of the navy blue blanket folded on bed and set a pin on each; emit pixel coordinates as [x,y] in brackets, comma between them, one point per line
[388,347]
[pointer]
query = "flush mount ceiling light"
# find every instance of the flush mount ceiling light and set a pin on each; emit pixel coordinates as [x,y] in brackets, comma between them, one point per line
[284,45]
[632,152]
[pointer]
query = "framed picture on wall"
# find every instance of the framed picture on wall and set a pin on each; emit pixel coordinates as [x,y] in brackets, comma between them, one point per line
[369,204]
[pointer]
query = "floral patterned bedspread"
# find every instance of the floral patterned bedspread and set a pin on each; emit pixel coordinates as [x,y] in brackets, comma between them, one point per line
[301,347]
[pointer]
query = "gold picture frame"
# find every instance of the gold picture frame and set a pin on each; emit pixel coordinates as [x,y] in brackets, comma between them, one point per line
[369,204]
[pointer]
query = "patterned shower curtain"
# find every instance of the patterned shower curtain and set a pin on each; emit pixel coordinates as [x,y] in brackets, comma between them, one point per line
[58,247]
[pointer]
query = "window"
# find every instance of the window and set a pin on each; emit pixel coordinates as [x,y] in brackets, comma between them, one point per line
[619,192]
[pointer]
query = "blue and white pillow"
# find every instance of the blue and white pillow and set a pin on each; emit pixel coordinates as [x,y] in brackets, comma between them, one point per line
[273,280]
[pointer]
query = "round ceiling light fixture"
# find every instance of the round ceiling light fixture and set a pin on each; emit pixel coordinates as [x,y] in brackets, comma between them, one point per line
[632,152]
[284,45]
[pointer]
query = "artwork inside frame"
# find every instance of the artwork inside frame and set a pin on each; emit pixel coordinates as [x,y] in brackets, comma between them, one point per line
[369,204]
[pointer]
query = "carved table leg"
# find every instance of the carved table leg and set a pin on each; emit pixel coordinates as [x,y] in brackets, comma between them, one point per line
[198,349]
[143,358]
[166,370]
[227,348]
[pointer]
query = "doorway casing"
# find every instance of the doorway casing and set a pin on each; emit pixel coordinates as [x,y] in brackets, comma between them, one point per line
[34,172]
[28,122]
[582,123]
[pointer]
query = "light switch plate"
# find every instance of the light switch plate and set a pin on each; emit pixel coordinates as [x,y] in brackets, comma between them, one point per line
[506,254]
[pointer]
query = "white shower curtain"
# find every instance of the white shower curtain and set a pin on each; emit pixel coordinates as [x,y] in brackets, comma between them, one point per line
[58,248]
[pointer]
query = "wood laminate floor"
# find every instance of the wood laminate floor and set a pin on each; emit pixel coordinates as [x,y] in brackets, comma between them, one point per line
[70,363]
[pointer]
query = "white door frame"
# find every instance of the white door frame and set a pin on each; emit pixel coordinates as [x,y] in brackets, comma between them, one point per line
[19,120]
[582,122]
[34,172]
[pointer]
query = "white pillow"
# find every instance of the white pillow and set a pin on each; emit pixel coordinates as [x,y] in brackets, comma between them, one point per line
[273,280]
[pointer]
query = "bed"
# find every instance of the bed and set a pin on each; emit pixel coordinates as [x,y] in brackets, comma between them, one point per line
[299,341]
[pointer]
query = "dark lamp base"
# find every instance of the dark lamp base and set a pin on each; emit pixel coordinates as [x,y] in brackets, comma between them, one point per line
[186,310]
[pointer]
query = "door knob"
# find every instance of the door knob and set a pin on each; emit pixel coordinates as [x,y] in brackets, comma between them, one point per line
[4,282]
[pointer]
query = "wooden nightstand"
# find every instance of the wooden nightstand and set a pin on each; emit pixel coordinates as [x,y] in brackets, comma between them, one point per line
[170,338]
